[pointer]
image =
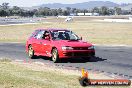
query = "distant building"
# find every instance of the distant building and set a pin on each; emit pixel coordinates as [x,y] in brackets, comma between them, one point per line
[73,14]
[80,14]
[87,14]
[95,14]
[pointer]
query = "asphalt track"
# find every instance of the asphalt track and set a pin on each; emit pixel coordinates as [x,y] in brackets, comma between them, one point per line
[9,21]
[111,59]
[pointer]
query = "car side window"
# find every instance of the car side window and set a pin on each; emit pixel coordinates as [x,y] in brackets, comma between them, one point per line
[39,35]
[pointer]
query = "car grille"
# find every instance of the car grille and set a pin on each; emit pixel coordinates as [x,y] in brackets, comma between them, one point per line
[80,54]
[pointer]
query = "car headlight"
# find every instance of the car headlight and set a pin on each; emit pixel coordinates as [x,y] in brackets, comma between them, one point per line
[67,48]
[91,47]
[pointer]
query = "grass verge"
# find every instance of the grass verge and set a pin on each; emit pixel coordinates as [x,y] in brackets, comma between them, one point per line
[15,76]
[25,75]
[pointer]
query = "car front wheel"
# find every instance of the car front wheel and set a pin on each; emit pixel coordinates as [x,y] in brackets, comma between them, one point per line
[55,57]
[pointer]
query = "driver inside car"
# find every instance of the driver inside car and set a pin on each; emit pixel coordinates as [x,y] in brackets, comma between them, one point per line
[46,36]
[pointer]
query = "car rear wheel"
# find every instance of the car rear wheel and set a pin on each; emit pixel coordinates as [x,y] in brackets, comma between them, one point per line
[55,57]
[31,52]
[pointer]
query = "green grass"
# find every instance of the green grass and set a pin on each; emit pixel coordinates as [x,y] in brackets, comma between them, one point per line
[19,77]
[94,32]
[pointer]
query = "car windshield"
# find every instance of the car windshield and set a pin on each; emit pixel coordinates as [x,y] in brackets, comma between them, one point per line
[64,35]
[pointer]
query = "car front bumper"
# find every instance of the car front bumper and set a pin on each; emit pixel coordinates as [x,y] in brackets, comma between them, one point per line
[76,53]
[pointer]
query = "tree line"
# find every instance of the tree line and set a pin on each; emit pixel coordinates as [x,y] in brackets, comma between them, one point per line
[6,10]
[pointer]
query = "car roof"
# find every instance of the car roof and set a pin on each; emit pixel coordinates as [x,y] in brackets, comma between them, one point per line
[52,29]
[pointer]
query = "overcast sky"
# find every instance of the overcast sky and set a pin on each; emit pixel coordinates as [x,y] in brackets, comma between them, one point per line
[29,3]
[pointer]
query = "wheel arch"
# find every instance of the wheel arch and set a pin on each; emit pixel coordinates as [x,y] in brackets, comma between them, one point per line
[53,48]
[29,45]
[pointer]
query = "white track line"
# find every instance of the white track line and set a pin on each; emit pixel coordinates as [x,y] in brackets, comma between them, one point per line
[19,24]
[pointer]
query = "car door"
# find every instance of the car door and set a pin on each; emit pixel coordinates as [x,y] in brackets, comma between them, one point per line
[37,44]
[45,46]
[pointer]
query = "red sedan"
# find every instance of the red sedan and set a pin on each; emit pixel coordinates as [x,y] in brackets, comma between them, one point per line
[58,44]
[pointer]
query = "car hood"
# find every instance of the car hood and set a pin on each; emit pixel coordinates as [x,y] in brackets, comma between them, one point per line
[73,43]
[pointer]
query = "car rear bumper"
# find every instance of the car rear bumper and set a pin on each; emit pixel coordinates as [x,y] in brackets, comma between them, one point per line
[76,53]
